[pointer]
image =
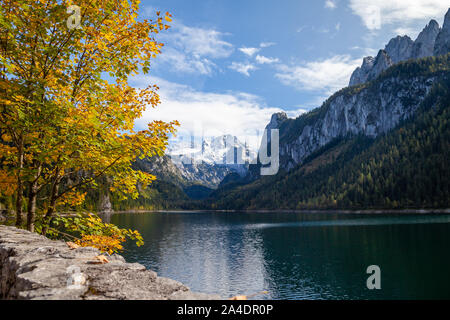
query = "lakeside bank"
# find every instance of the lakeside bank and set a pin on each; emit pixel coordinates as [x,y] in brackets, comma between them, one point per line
[37,268]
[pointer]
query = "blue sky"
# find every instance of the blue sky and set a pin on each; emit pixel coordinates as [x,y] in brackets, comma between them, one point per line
[228,65]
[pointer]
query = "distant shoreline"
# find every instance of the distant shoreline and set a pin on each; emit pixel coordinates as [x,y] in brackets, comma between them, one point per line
[5,216]
[367,211]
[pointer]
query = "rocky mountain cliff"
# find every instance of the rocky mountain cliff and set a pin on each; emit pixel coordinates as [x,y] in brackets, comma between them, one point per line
[431,41]
[384,97]
[370,110]
[426,40]
[399,49]
[442,45]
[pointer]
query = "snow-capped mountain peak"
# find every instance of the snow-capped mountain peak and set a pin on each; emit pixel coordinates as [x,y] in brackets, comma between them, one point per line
[222,150]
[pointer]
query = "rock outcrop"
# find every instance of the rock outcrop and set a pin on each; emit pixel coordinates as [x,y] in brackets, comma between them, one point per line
[34,267]
[276,120]
[425,42]
[382,62]
[373,67]
[442,45]
[361,74]
[399,48]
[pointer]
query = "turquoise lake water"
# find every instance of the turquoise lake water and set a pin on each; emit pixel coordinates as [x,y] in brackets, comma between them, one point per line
[296,255]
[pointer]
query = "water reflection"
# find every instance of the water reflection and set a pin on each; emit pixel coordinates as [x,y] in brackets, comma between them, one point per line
[296,256]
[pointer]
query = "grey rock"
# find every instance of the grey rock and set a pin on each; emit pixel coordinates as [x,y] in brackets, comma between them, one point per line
[425,42]
[276,120]
[442,45]
[381,63]
[361,74]
[399,49]
[373,67]
[34,267]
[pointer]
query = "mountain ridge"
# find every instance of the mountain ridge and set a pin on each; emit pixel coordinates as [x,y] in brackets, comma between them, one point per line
[406,167]
[431,41]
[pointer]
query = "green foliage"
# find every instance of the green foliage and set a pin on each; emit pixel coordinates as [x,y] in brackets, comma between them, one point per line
[89,230]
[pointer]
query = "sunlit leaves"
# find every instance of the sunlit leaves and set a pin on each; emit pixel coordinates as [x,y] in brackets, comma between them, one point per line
[72,123]
[90,231]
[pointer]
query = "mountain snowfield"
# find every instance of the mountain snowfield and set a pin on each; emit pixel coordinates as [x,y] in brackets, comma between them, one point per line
[206,162]
[222,150]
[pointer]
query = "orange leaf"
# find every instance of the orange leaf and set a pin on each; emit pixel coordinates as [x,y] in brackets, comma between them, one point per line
[100,260]
[72,245]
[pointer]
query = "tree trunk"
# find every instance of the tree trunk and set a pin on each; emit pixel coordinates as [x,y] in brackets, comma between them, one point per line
[32,197]
[52,207]
[19,199]
[31,216]
[19,203]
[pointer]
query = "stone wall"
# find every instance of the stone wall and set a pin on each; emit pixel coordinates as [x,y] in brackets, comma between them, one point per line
[34,267]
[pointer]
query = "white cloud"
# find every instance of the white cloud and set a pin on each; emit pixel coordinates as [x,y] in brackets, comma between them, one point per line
[203,42]
[375,14]
[206,114]
[265,60]
[407,31]
[191,50]
[329,4]
[249,51]
[325,76]
[338,26]
[186,63]
[296,113]
[267,44]
[243,68]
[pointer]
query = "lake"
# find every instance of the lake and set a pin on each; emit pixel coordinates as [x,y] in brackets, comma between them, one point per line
[296,255]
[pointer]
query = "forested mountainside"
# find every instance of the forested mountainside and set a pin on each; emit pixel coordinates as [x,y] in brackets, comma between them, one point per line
[371,109]
[408,167]
[381,143]
[373,106]
[404,167]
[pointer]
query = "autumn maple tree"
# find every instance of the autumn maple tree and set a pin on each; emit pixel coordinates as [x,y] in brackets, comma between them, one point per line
[67,110]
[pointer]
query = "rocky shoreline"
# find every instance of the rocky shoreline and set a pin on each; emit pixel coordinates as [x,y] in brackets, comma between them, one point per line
[34,267]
